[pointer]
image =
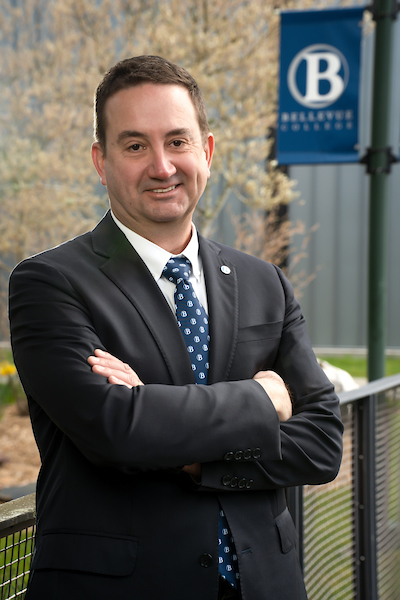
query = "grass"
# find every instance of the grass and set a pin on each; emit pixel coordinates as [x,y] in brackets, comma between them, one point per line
[15,558]
[5,355]
[357,365]
[329,542]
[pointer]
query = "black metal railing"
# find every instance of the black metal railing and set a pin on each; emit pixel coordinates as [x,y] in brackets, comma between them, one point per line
[17,530]
[349,530]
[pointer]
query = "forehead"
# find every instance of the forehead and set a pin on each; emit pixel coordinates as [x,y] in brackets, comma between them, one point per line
[151,107]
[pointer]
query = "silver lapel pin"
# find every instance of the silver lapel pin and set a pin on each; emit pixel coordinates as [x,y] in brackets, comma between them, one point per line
[225,270]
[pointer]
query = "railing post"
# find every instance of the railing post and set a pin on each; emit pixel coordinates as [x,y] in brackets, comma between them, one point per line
[366,572]
[294,498]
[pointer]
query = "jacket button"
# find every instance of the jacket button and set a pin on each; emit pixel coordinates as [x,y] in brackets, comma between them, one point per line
[226,480]
[239,455]
[242,483]
[206,560]
[234,482]
[247,454]
[229,456]
[256,453]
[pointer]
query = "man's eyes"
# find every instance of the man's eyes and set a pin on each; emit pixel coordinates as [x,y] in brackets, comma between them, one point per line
[136,147]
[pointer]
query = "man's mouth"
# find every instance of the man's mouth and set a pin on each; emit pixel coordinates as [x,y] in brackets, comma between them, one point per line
[164,190]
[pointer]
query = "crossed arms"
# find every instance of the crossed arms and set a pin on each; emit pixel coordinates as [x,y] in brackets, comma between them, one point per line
[120,373]
[133,427]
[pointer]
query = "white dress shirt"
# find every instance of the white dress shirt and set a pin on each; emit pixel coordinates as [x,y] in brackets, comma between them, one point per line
[155,259]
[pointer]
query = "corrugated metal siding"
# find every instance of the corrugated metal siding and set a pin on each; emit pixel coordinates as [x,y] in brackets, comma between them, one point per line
[334,303]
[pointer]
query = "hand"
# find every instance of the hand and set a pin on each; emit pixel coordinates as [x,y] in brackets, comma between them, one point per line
[194,471]
[113,369]
[276,389]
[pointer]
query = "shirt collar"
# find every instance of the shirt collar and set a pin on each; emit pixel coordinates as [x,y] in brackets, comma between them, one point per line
[155,257]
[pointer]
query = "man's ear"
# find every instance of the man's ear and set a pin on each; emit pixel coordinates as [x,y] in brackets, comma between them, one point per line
[98,161]
[209,150]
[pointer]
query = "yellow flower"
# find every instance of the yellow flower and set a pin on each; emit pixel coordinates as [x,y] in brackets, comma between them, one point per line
[7,368]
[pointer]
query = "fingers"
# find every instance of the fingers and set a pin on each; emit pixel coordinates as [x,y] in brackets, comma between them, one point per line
[115,381]
[194,471]
[268,375]
[277,391]
[117,372]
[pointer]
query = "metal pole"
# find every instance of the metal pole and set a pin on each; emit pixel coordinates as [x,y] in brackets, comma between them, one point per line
[379,159]
[366,564]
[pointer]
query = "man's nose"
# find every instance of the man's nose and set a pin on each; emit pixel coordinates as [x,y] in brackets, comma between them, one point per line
[161,165]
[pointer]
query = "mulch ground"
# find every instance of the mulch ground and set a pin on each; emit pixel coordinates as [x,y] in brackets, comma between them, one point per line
[19,456]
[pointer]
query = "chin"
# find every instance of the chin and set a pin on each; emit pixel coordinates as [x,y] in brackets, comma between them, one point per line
[171,215]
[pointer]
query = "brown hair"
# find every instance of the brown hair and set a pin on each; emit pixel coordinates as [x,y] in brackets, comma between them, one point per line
[145,69]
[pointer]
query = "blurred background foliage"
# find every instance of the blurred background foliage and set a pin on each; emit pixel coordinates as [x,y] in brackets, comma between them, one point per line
[53,55]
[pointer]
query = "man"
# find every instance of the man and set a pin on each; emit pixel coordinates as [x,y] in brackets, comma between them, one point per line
[141,462]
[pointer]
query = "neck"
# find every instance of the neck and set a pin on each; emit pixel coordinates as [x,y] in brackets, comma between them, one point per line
[171,236]
[174,244]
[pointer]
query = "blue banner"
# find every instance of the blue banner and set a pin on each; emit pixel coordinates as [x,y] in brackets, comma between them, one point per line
[319,86]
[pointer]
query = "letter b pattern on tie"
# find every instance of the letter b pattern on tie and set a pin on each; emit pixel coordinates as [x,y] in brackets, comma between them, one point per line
[191,316]
[193,323]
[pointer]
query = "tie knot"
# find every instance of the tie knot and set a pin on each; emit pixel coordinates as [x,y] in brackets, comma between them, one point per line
[177,269]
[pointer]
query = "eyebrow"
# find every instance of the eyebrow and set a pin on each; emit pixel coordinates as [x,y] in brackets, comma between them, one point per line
[139,134]
[129,134]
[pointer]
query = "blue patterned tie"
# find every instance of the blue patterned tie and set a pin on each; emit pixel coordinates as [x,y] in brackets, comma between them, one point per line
[193,323]
[192,318]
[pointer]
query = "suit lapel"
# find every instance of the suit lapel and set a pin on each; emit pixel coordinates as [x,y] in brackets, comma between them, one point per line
[143,292]
[223,309]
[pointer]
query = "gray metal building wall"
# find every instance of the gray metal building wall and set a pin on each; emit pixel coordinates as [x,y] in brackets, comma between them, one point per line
[335,302]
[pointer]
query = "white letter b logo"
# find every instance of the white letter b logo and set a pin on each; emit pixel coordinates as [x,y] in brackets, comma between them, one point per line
[323,63]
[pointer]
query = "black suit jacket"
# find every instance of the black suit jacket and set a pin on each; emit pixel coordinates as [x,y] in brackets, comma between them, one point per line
[116,517]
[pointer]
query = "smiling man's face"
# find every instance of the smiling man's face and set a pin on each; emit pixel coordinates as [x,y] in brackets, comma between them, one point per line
[156,163]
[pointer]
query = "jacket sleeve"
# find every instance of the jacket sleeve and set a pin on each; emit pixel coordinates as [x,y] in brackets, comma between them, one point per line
[311,440]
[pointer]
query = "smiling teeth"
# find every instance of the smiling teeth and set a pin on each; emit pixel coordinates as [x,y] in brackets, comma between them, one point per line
[162,190]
